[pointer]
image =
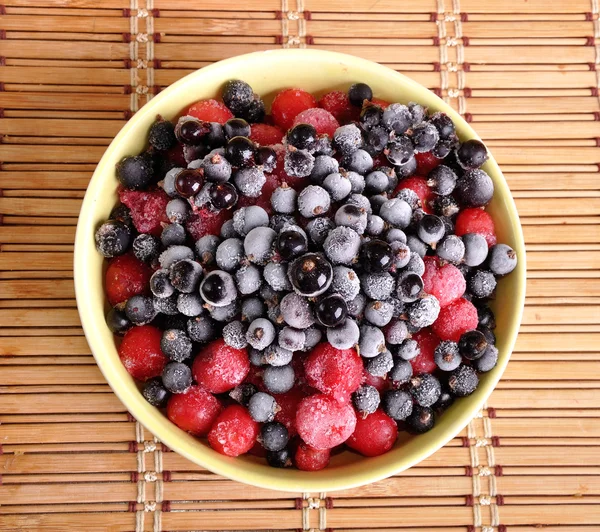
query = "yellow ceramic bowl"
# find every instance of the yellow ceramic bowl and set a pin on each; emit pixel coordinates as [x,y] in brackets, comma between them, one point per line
[268,72]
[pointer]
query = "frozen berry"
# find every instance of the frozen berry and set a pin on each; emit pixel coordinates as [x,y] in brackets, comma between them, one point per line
[372,341]
[202,329]
[423,312]
[240,151]
[447,356]
[283,199]
[210,111]
[291,242]
[421,420]
[288,104]
[117,321]
[223,195]
[424,137]
[140,310]
[259,244]
[113,238]
[445,282]
[280,458]
[456,319]
[476,249]
[374,434]
[426,341]
[194,411]
[397,118]
[502,259]
[323,423]
[342,245]
[451,249]
[488,360]
[481,284]
[397,404]
[234,432]
[321,120]
[274,436]
[425,389]
[279,379]
[474,189]
[338,104]
[463,381]
[401,372]
[176,344]
[347,139]
[472,154]
[148,209]
[334,372]
[135,172]
[141,354]
[155,393]
[265,134]
[476,221]
[472,345]
[206,222]
[409,287]
[177,377]
[344,336]
[237,95]
[218,288]
[219,367]
[185,275]
[396,212]
[309,459]
[366,400]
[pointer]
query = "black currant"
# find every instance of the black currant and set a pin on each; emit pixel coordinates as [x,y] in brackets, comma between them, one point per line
[310,274]
[332,310]
[376,256]
[223,195]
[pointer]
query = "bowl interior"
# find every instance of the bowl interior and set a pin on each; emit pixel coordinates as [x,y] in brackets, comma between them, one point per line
[268,72]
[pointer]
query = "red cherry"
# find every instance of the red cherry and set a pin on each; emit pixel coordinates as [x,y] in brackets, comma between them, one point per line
[210,111]
[374,434]
[141,354]
[194,411]
[219,367]
[289,103]
[234,432]
[126,276]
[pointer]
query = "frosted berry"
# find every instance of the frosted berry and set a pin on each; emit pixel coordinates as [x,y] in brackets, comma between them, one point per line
[218,288]
[425,389]
[202,329]
[279,379]
[424,137]
[445,282]
[481,284]
[288,104]
[140,310]
[447,356]
[291,242]
[135,172]
[323,423]
[472,345]
[310,274]
[234,432]
[259,244]
[474,189]
[194,411]
[344,336]
[185,275]
[476,249]
[421,420]
[426,341]
[397,404]
[177,377]
[366,400]
[463,381]
[347,139]
[237,95]
[113,238]
[502,259]
[274,436]
[488,361]
[219,367]
[117,321]
[176,344]
[456,319]
[322,120]
[155,393]
[401,371]
[141,354]
[374,434]
[451,249]
[309,459]
[262,407]
[472,154]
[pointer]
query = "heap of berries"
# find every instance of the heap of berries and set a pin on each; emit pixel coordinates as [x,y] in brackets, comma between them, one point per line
[289,283]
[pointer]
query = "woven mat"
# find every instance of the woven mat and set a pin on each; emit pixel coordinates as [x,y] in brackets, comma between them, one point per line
[524,72]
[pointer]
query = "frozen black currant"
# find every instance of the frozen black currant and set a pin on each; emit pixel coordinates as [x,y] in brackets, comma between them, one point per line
[189,182]
[155,393]
[216,168]
[472,154]
[267,158]
[237,95]
[425,389]
[366,399]
[162,135]
[310,274]
[240,151]
[303,137]
[502,259]
[135,172]
[296,311]
[345,335]
[476,249]
[443,123]
[223,195]
[351,216]
[274,436]
[176,344]
[447,356]
[409,287]
[261,333]
[472,345]
[401,371]
[291,242]
[376,256]
[236,127]
[173,235]
[420,420]
[488,360]
[424,137]
[481,284]
[140,310]
[117,321]
[397,118]
[113,238]
[185,275]
[358,93]
[399,151]
[370,116]
[463,381]
[191,131]
[243,392]
[218,289]
[431,229]
[423,312]
[397,404]
[281,459]
[202,329]
[331,310]
[442,180]
[451,249]
[160,283]
[177,377]
[474,189]
[279,379]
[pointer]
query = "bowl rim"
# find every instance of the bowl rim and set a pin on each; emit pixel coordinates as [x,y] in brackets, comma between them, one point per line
[226,466]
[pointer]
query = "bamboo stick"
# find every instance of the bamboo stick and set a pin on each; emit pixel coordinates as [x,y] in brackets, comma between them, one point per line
[61,128]
[553,287]
[65,76]
[91,522]
[40,207]
[115,51]
[534,399]
[83,24]
[89,102]
[41,180]
[28,346]
[53,375]
[72,403]
[559,181]
[584,260]
[38,303]
[36,261]
[43,235]
[549,314]
[14,220]
[68,433]
[51,154]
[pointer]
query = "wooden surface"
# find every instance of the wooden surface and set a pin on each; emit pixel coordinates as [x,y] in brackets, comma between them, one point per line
[522,71]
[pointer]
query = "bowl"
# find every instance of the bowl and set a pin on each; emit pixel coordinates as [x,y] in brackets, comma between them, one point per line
[268,72]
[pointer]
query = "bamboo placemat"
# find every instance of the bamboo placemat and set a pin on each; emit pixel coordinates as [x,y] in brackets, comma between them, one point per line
[524,72]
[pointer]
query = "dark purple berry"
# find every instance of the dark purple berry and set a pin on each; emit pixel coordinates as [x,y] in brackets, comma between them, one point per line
[223,195]
[358,93]
[376,256]
[472,154]
[303,137]
[188,183]
[331,310]
[240,151]
[236,127]
[162,135]
[310,274]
